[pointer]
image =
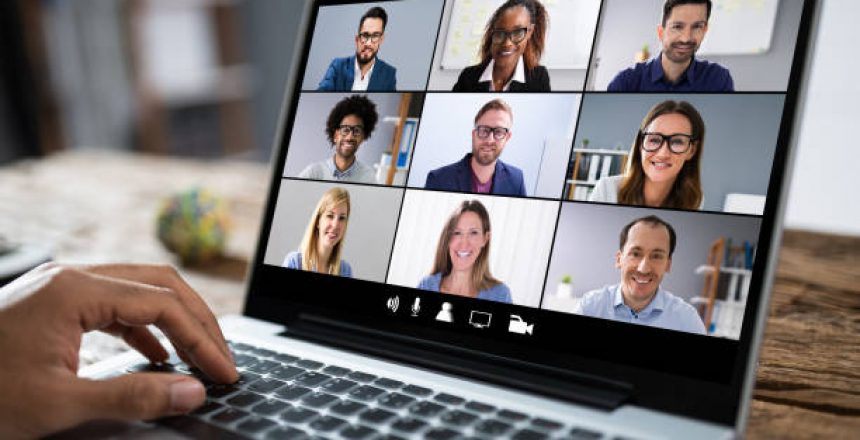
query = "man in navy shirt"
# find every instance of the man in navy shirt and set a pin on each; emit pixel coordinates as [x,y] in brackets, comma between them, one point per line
[676,69]
[363,71]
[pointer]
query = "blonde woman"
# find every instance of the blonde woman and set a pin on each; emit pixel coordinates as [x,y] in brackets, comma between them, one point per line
[462,265]
[322,245]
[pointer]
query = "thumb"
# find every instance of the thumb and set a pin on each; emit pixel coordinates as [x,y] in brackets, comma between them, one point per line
[138,396]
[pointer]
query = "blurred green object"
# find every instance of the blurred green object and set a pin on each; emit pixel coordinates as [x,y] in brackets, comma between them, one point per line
[194,224]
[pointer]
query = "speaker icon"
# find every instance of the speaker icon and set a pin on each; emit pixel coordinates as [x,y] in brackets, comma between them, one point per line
[393,303]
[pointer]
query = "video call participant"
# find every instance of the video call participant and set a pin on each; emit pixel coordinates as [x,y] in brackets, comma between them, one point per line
[481,171]
[350,123]
[644,257]
[511,48]
[364,70]
[462,265]
[676,68]
[322,245]
[665,161]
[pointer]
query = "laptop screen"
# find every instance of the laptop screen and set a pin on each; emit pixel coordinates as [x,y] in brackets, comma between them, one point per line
[557,180]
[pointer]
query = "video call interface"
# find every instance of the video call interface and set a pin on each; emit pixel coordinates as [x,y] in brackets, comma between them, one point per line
[526,152]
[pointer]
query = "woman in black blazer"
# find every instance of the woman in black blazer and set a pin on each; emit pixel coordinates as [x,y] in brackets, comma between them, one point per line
[510,51]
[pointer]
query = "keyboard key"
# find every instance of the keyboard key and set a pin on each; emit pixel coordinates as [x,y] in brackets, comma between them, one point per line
[247,377]
[286,433]
[480,407]
[512,415]
[391,384]
[266,385]
[269,407]
[336,371]
[339,385]
[391,437]
[297,415]
[441,434]
[221,390]
[347,407]
[262,352]
[327,423]
[207,408]
[449,399]
[584,434]
[262,366]
[458,418]
[243,360]
[360,377]
[285,358]
[426,409]
[492,427]
[549,425]
[147,367]
[229,415]
[415,390]
[311,379]
[319,399]
[245,399]
[366,393]
[309,364]
[286,372]
[409,424]
[357,432]
[255,424]
[239,346]
[292,392]
[376,416]
[396,400]
[529,434]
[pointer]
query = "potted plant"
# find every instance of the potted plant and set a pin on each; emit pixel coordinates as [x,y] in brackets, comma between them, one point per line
[565,287]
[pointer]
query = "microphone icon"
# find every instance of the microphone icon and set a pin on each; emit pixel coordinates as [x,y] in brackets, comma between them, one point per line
[416,306]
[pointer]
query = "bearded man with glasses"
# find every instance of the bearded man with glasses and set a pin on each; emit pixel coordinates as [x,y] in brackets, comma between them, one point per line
[481,171]
[363,71]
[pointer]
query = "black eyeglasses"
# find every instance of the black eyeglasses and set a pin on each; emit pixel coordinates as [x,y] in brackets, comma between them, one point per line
[368,37]
[678,143]
[499,36]
[483,132]
[356,130]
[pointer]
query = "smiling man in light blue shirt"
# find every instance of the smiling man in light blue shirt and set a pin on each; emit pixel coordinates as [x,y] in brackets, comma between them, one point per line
[644,257]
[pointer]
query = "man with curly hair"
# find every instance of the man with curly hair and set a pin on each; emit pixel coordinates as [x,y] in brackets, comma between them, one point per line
[350,123]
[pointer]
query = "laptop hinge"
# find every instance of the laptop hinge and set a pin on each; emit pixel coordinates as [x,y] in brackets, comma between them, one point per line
[541,379]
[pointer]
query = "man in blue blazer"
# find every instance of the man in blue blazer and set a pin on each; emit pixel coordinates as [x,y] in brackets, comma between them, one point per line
[481,171]
[363,71]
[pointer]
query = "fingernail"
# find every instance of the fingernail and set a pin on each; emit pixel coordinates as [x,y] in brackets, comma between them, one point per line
[186,395]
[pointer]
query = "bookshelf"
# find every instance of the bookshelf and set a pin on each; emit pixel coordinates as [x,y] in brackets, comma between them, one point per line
[589,165]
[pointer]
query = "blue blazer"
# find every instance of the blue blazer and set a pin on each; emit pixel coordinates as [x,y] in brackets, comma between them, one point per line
[341,74]
[507,179]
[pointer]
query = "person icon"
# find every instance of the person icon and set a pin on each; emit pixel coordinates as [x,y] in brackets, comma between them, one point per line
[445,314]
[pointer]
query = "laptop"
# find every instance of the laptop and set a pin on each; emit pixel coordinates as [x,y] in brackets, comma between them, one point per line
[473,264]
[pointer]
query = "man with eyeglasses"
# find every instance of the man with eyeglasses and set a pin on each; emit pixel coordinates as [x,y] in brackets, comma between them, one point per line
[363,71]
[350,123]
[643,258]
[481,171]
[676,68]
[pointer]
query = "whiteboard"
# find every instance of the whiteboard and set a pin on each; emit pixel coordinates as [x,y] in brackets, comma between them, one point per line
[569,37]
[740,27]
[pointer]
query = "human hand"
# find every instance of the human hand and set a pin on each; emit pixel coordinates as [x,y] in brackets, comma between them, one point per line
[43,315]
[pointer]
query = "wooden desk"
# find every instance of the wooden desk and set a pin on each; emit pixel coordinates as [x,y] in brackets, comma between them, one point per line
[97,207]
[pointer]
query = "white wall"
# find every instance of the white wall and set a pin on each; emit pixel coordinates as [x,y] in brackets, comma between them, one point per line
[824,189]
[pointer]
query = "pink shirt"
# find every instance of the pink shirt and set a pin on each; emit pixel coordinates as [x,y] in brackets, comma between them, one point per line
[481,188]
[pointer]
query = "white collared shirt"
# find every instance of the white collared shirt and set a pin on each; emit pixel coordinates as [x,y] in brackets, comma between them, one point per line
[359,84]
[519,75]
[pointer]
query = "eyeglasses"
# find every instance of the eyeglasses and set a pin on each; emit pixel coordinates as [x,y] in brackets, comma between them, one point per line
[484,131]
[499,36]
[368,37]
[356,130]
[678,143]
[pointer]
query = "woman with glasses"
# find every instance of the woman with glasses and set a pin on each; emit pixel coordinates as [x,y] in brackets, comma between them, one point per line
[510,51]
[322,245]
[462,263]
[664,164]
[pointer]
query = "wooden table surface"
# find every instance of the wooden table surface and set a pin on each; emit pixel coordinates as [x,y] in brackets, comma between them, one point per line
[100,207]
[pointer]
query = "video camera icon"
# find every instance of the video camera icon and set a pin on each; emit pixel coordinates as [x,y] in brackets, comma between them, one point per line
[518,326]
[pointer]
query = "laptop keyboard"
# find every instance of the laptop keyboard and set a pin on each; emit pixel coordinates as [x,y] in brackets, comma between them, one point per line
[280,396]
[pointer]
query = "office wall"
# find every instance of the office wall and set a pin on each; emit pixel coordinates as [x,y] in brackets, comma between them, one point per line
[639,19]
[740,138]
[309,142]
[406,39]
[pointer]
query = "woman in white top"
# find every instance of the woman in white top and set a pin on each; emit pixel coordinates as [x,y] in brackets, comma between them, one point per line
[663,170]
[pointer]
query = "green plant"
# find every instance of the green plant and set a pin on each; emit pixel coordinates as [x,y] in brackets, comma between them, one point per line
[567,279]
